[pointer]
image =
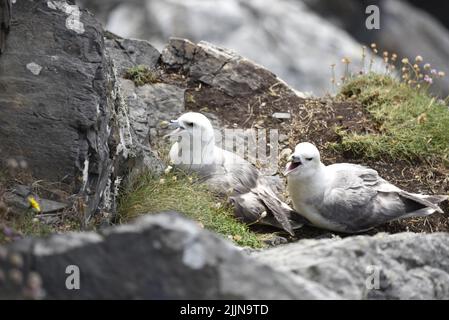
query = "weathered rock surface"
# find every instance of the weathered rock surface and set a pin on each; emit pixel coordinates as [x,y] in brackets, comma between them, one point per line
[141,104]
[166,256]
[284,36]
[408,265]
[158,257]
[297,40]
[56,103]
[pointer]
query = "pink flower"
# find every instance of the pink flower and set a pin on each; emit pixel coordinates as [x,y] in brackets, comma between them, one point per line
[428,79]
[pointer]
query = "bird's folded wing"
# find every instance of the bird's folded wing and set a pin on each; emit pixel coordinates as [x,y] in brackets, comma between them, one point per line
[280,210]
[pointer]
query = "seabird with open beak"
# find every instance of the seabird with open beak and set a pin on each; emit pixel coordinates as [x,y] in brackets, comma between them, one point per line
[347,197]
[228,174]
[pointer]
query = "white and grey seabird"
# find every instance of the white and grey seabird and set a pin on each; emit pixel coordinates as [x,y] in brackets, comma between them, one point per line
[349,198]
[228,174]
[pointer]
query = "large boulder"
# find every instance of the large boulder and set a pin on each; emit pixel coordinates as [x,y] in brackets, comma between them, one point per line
[57,108]
[158,257]
[166,256]
[64,110]
[400,266]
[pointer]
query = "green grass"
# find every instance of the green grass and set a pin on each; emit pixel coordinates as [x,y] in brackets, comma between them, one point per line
[141,75]
[184,195]
[412,124]
[25,224]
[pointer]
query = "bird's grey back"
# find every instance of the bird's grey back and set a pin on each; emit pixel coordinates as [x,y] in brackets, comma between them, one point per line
[359,199]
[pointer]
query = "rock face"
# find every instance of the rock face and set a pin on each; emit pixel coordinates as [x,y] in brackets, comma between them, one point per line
[172,258]
[400,266]
[140,105]
[300,51]
[56,106]
[158,257]
[63,103]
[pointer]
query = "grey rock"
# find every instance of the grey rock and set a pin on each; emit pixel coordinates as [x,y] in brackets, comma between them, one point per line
[299,51]
[127,53]
[21,204]
[145,107]
[57,109]
[170,258]
[281,115]
[17,198]
[218,67]
[408,265]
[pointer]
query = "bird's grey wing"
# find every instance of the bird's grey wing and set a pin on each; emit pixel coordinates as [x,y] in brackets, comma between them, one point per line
[359,199]
[230,179]
[285,216]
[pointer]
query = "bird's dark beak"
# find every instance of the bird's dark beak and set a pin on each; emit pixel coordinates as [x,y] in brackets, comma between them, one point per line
[294,162]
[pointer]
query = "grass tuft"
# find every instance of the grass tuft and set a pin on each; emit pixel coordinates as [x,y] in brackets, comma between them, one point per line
[141,75]
[411,124]
[176,191]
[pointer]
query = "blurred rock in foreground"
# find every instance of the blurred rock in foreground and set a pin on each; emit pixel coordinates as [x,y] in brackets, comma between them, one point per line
[166,256]
[158,257]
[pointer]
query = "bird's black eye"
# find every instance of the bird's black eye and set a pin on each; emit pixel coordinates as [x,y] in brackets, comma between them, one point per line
[189,124]
[309,159]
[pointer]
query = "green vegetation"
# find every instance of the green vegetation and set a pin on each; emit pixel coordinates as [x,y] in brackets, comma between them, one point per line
[180,192]
[141,75]
[411,124]
[21,224]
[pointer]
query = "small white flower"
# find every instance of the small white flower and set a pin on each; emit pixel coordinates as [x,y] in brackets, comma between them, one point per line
[168,169]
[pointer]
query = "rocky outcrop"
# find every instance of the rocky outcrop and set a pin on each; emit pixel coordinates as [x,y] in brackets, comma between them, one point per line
[400,266]
[64,112]
[140,105]
[57,104]
[166,256]
[284,36]
[298,40]
[158,257]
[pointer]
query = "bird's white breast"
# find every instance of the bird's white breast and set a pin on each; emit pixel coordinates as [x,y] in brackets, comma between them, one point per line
[301,193]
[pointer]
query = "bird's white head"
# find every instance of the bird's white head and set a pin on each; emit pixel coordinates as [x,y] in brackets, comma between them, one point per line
[304,162]
[195,125]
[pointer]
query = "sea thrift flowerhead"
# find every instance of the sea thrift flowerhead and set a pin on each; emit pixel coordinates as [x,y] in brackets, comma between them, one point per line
[428,79]
[8,232]
[419,59]
[405,61]
[433,72]
[373,45]
[441,74]
[427,66]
